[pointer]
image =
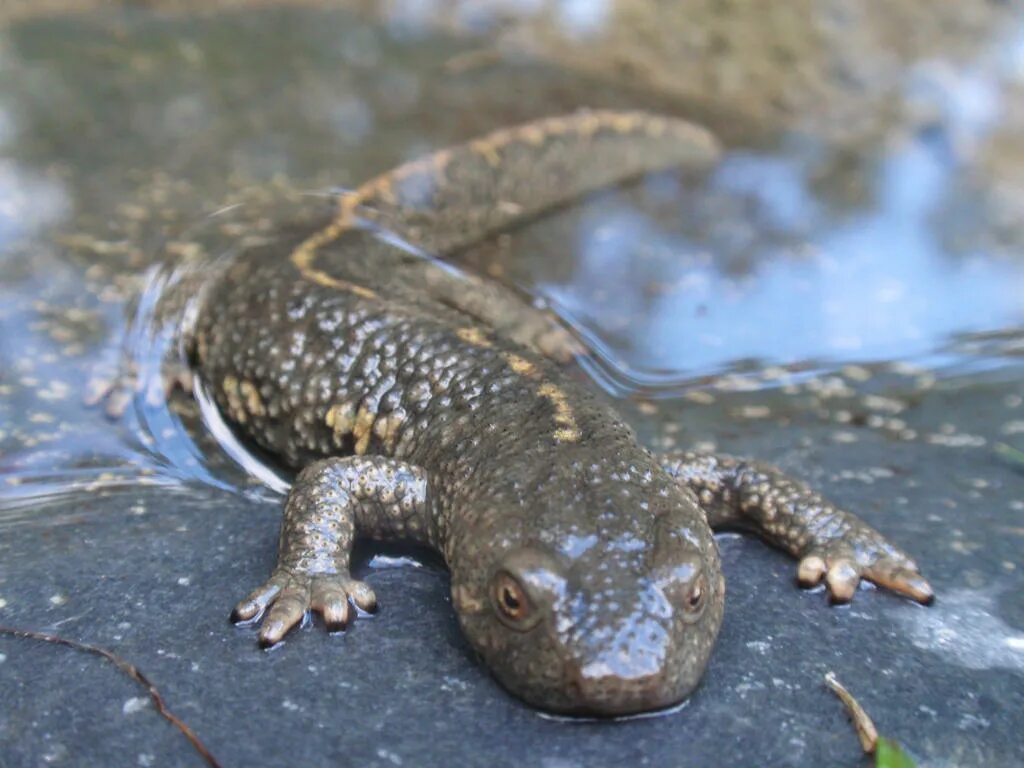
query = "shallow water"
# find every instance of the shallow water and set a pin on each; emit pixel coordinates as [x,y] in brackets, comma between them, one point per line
[851,309]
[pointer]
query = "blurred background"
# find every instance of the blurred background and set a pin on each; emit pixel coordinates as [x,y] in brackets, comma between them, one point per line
[843,294]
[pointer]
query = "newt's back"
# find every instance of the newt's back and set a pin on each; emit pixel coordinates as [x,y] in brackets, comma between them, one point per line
[344,335]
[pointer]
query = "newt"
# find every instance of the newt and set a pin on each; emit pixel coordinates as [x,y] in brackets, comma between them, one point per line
[417,406]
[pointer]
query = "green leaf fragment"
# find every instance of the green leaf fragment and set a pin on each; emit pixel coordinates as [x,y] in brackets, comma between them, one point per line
[889,754]
[1010,453]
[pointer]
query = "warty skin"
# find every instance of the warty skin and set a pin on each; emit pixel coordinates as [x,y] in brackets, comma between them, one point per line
[418,405]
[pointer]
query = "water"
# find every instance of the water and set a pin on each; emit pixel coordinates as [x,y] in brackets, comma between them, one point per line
[844,297]
[768,262]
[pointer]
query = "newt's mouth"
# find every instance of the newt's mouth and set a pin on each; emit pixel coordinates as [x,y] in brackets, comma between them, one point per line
[618,698]
[596,691]
[634,705]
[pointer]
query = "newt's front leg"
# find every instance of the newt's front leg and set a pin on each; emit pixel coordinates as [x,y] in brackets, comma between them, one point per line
[831,543]
[329,503]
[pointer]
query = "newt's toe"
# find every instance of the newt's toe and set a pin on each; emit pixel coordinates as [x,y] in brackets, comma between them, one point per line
[363,596]
[842,579]
[330,600]
[811,571]
[905,581]
[256,603]
[287,611]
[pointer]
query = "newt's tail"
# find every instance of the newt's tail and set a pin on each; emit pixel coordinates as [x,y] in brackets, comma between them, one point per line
[459,195]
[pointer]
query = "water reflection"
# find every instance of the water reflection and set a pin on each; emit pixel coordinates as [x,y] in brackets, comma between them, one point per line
[29,202]
[785,278]
[577,19]
[771,259]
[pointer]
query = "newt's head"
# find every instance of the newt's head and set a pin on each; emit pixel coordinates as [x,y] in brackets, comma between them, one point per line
[605,600]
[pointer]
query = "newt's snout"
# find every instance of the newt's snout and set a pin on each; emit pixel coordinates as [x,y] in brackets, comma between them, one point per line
[604,637]
[650,655]
[627,679]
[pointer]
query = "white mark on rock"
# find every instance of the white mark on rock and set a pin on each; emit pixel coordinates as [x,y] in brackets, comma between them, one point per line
[963,627]
[759,646]
[391,757]
[134,704]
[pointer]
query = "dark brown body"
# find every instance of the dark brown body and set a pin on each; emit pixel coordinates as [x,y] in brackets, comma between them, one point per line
[421,405]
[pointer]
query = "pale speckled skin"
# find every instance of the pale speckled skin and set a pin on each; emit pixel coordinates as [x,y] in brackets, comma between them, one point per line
[583,567]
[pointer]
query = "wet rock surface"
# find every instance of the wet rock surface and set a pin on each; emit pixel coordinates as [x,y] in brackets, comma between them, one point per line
[893,384]
[151,574]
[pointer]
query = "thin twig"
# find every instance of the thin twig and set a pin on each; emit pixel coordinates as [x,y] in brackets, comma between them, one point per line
[866,731]
[129,669]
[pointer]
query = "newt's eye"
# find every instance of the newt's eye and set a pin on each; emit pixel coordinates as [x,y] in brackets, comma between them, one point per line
[685,586]
[511,600]
[697,594]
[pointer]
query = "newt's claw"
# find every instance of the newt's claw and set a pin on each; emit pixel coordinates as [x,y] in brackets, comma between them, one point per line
[290,596]
[904,580]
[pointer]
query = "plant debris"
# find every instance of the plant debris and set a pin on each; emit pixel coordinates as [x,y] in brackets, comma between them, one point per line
[129,669]
[866,731]
[1011,454]
[888,753]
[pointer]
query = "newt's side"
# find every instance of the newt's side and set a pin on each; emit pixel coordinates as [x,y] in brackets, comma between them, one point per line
[583,568]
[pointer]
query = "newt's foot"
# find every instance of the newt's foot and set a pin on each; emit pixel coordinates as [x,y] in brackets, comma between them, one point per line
[289,595]
[862,555]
